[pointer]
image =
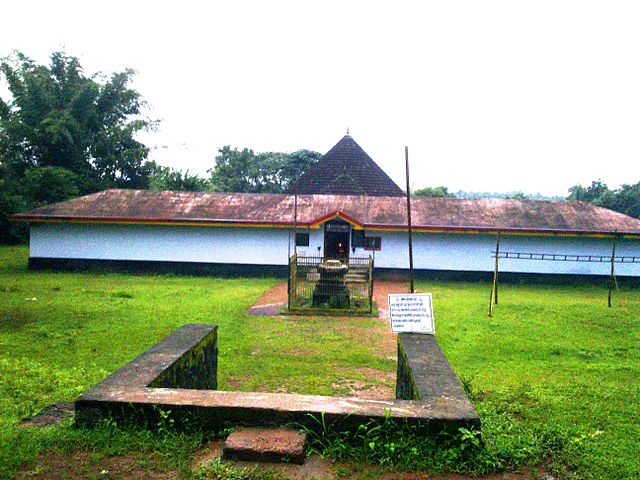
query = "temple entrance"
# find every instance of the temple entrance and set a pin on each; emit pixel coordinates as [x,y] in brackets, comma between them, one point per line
[336,239]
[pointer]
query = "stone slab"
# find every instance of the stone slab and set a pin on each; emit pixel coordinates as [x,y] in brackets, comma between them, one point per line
[426,369]
[265,445]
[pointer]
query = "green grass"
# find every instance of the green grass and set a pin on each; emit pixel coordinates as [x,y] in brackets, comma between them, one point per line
[553,356]
[61,333]
[555,374]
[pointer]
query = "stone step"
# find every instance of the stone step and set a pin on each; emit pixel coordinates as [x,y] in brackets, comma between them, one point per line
[265,445]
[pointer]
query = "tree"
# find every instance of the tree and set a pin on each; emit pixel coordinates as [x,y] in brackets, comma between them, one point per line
[58,117]
[518,196]
[11,201]
[298,163]
[597,193]
[433,192]
[166,178]
[63,133]
[625,199]
[269,172]
[43,185]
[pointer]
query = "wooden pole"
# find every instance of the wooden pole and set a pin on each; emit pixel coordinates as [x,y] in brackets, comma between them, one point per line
[495,273]
[295,220]
[612,278]
[493,298]
[289,245]
[406,158]
[491,303]
[370,285]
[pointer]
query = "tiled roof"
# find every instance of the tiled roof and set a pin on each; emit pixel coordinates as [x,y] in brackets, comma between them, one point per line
[346,169]
[430,214]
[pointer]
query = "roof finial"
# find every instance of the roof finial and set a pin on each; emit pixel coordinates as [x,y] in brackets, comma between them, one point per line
[347,130]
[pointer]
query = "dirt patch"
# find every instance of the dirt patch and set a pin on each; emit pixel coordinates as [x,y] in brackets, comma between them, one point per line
[276,294]
[86,465]
[316,467]
[373,384]
[52,415]
[381,290]
[379,375]
[269,310]
[383,342]
[363,389]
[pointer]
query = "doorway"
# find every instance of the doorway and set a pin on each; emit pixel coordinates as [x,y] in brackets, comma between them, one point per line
[336,239]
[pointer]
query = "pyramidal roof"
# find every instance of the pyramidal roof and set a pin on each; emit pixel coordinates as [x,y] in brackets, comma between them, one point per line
[346,169]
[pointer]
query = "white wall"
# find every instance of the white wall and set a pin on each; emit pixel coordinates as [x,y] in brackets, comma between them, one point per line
[472,252]
[316,239]
[258,246]
[262,246]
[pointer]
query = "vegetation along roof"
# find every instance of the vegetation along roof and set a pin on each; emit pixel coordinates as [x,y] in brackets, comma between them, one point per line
[381,213]
[346,169]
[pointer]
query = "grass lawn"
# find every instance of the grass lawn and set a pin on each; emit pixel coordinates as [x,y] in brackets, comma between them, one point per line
[553,362]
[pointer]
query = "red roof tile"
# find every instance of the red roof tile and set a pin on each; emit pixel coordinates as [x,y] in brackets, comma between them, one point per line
[371,212]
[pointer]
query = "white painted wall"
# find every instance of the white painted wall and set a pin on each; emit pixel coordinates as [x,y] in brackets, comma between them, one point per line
[261,246]
[316,239]
[258,246]
[472,252]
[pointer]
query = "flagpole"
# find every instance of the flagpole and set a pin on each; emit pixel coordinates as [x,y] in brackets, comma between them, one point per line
[406,157]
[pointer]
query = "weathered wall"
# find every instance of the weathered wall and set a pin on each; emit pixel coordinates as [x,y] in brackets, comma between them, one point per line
[262,246]
[160,243]
[473,252]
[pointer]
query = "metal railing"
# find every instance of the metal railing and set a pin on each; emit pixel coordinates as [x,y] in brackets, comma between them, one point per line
[318,283]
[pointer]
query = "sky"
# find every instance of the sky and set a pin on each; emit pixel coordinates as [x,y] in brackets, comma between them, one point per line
[532,96]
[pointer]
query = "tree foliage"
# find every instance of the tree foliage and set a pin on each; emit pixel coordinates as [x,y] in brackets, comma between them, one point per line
[518,196]
[433,192]
[167,178]
[625,199]
[63,133]
[269,172]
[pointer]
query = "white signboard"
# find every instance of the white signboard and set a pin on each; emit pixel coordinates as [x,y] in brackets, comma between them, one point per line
[411,312]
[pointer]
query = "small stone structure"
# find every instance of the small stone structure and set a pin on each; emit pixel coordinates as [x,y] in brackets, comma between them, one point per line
[177,377]
[330,288]
[319,285]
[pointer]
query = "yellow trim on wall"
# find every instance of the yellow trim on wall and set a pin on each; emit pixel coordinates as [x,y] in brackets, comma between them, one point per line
[316,226]
[502,232]
[158,222]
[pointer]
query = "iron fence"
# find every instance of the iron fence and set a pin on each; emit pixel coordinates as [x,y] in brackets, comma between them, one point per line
[318,283]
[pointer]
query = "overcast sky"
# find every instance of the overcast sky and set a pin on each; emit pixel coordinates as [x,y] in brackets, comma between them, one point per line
[488,95]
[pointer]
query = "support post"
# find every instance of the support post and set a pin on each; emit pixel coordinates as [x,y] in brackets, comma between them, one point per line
[295,220]
[495,273]
[612,277]
[493,298]
[491,303]
[370,285]
[406,157]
